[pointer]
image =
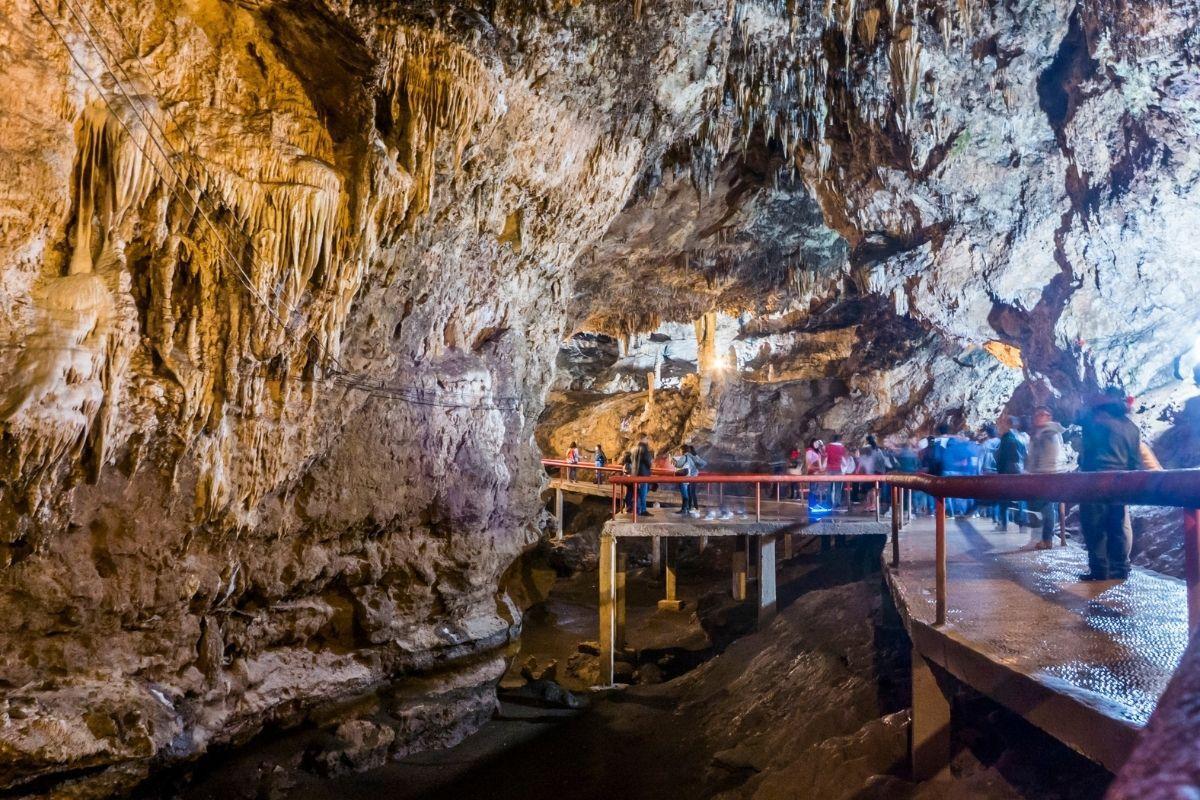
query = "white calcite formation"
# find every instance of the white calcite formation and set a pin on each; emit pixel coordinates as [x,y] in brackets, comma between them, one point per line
[282,287]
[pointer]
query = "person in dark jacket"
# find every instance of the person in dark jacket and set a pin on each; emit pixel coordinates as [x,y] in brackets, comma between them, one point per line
[627,465]
[1010,460]
[1110,442]
[643,462]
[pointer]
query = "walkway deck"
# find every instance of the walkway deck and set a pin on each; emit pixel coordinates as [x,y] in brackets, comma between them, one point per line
[1085,662]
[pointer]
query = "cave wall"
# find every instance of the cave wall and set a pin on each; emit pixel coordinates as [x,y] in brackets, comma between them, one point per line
[281,293]
[282,285]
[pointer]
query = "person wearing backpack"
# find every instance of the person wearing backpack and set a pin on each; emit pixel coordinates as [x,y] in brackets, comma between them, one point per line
[1010,460]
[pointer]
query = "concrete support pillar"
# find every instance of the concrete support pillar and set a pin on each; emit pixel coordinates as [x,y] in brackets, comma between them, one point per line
[752,548]
[739,568]
[619,622]
[672,602]
[789,546]
[558,513]
[767,599]
[703,545]
[656,556]
[930,722]
[608,608]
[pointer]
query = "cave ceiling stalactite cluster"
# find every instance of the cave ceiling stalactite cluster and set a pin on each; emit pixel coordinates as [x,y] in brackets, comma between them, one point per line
[279,279]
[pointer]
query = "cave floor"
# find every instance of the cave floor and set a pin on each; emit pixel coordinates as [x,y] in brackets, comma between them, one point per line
[1085,661]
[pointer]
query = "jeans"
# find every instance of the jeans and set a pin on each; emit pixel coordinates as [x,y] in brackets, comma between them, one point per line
[835,495]
[1108,535]
[1019,507]
[642,489]
[628,499]
[1049,520]
[685,497]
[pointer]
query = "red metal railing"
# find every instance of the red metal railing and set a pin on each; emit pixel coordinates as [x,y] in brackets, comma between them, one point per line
[587,466]
[1178,488]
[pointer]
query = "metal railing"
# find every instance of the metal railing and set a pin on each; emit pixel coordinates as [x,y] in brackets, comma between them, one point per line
[586,466]
[1175,488]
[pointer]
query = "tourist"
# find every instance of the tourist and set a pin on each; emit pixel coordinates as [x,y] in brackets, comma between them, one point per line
[836,459]
[572,458]
[1010,460]
[987,461]
[814,464]
[873,460]
[698,464]
[1110,442]
[1046,457]
[628,466]
[959,460]
[795,468]
[681,464]
[643,462]
[930,457]
[600,460]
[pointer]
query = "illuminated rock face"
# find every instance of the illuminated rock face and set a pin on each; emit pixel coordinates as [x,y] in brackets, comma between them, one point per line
[282,290]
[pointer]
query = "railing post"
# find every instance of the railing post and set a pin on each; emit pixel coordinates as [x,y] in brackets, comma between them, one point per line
[757,501]
[1062,524]
[636,488]
[939,511]
[896,512]
[1191,565]
[614,488]
[878,503]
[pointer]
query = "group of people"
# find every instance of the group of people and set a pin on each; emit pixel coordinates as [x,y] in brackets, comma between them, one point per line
[1109,440]
[835,458]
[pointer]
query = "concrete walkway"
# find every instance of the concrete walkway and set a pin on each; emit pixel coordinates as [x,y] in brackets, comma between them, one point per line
[1086,662]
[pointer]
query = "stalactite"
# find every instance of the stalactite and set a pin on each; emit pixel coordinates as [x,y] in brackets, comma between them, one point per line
[438,91]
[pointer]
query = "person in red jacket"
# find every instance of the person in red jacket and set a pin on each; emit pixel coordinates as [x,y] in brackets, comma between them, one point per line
[835,464]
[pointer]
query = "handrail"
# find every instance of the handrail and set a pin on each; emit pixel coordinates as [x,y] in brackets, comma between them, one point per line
[585,465]
[1178,487]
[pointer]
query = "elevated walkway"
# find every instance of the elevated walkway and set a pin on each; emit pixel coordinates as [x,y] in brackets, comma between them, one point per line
[1085,662]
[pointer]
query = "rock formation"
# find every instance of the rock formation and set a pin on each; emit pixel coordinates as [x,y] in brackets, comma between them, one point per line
[282,286]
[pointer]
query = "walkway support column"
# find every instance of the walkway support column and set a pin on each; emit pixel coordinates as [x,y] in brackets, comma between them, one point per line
[672,602]
[1191,565]
[939,510]
[897,510]
[558,513]
[738,560]
[656,556]
[608,608]
[930,722]
[619,624]
[767,597]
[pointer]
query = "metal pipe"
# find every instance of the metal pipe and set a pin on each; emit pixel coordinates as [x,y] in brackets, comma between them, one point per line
[1191,565]
[940,559]
[758,502]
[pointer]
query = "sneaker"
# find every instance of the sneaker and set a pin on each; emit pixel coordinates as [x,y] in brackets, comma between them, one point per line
[645,514]
[1091,577]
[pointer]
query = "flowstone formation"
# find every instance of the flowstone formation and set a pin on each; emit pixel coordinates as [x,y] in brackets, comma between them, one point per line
[282,286]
